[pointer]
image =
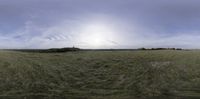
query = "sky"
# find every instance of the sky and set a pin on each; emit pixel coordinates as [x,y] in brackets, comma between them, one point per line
[99,23]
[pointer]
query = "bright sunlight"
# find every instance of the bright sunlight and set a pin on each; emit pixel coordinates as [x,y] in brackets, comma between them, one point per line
[96,35]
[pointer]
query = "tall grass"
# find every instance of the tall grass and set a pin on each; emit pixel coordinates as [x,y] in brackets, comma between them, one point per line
[102,74]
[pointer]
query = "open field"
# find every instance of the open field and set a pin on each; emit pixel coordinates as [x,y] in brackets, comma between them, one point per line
[100,74]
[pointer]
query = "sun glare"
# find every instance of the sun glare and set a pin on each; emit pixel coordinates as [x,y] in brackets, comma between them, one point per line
[96,35]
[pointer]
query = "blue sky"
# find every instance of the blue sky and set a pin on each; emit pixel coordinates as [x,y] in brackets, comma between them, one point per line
[99,23]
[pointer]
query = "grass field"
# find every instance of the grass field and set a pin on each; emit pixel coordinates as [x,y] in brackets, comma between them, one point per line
[100,75]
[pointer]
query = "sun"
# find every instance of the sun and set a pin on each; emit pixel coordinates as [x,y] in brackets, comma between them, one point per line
[96,35]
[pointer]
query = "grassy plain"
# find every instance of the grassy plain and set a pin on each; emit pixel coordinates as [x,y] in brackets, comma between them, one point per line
[100,74]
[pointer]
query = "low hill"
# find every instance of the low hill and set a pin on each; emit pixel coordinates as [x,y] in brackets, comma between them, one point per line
[51,50]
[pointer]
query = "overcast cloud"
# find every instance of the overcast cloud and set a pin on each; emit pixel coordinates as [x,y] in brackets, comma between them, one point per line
[124,23]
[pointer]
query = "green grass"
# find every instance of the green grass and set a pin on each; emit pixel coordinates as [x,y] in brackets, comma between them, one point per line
[100,74]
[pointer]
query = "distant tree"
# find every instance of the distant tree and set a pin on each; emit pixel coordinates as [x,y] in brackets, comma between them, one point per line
[179,49]
[142,48]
